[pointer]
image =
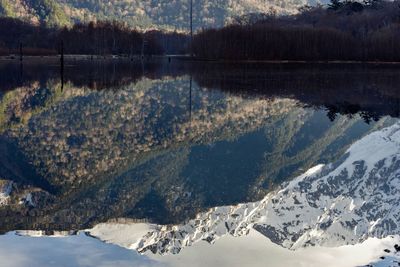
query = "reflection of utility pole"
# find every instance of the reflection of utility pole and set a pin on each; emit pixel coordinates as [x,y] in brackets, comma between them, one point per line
[191,28]
[21,71]
[131,53]
[104,42]
[144,43]
[62,64]
[20,61]
[113,75]
[142,54]
[190,104]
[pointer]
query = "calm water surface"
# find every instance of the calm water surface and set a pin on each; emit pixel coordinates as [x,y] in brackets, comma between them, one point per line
[160,143]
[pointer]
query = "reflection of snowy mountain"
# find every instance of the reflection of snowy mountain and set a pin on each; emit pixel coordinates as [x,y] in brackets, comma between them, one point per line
[341,203]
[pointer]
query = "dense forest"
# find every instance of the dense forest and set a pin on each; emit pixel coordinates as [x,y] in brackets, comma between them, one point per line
[148,14]
[94,38]
[347,30]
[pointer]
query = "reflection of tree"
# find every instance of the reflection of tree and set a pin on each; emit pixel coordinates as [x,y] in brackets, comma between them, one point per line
[332,112]
[342,92]
[351,110]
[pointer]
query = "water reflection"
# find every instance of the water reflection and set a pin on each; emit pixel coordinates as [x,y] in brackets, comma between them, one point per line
[79,251]
[162,142]
[329,205]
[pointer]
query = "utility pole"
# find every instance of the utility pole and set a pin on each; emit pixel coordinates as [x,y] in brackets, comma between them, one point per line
[191,28]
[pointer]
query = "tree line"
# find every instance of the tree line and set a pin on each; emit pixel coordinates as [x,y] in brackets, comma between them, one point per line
[344,30]
[94,38]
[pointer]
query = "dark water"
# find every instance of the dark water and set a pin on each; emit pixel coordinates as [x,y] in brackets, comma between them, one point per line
[160,142]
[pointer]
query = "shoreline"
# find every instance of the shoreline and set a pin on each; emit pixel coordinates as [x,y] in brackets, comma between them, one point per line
[29,59]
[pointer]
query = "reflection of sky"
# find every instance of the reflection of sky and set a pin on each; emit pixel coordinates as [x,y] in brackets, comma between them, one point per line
[254,250]
[73,251]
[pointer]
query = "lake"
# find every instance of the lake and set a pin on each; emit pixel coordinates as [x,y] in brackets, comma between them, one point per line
[177,163]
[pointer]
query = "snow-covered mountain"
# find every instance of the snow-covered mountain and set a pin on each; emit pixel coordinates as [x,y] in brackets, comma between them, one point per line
[345,202]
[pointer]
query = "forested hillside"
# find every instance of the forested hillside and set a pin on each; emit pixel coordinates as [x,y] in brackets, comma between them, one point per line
[144,14]
[49,12]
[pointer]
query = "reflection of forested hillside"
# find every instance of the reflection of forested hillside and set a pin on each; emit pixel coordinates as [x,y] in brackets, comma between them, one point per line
[371,90]
[104,129]
[95,74]
[153,150]
[341,89]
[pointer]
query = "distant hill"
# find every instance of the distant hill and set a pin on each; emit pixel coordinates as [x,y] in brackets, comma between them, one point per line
[144,14]
[36,11]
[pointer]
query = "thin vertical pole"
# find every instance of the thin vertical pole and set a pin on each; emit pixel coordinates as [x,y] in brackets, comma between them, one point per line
[191,28]
[190,104]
